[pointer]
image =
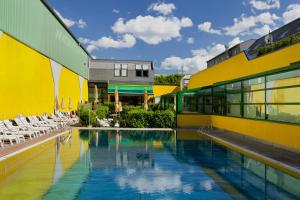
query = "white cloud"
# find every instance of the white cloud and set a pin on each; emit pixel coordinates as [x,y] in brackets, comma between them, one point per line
[262,30]
[292,12]
[152,30]
[195,63]
[81,24]
[206,27]
[163,8]
[243,24]
[126,41]
[115,11]
[265,4]
[234,42]
[190,40]
[69,22]
[84,40]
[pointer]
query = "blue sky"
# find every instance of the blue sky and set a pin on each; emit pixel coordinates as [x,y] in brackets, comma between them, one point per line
[175,34]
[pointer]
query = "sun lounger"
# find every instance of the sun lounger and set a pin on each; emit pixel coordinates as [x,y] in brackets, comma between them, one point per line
[22,122]
[50,120]
[15,130]
[35,123]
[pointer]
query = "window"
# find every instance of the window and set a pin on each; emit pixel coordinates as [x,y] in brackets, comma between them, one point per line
[234,99]
[283,96]
[273,97]
[117,69]
[254,98]
[145,70]
[121,70]
[142,70]
[219,100]
[124,70]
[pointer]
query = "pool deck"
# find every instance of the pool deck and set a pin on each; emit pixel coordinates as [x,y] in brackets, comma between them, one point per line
[276,156]
[11,150]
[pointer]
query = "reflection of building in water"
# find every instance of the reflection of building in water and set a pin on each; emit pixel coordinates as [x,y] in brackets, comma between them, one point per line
[113,152]
[237,170]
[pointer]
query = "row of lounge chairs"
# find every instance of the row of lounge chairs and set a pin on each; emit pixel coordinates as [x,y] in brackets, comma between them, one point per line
[22,128]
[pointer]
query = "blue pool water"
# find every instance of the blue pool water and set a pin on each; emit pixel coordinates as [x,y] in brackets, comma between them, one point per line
[146,165]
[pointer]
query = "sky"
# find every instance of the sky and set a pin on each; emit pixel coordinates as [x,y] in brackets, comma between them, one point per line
[177,35]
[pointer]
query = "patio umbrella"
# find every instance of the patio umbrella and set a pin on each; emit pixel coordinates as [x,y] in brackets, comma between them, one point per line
[116,100]
[96,94]
[120,106]
[145,99]
[70,104]
[62,105]
[56,106]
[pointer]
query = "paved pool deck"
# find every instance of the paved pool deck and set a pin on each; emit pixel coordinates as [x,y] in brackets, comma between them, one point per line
[275,156]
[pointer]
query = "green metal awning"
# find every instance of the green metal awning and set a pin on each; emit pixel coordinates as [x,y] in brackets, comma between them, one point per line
[130,89]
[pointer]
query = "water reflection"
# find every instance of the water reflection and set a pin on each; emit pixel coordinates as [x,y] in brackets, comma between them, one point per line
[139,165]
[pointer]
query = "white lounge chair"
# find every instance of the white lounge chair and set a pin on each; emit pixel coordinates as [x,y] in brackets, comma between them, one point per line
[8,138]
[51,120]
[37,122]
[15,130]
[22,122]
[34,123]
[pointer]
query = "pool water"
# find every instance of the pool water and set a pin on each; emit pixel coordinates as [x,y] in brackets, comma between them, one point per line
[140,165]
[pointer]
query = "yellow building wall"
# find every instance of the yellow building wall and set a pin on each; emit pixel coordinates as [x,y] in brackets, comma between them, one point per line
[193,120]
[85,91]
[27,85]
[160,90]
[277,133]
[239,66]
[285,135]
[69,90]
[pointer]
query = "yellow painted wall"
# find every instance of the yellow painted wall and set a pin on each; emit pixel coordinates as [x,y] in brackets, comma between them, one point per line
[160,90]
[238,66]
[69,89]
[284,135]
[277,133]
[193,120]
[26,82]
[85,91]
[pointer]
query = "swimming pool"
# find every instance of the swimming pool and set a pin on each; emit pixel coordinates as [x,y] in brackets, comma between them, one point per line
[140,165]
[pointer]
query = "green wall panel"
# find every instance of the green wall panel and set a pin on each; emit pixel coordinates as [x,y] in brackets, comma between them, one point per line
[32,23]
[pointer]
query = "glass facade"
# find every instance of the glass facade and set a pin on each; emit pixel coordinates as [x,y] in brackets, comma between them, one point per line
[272,96]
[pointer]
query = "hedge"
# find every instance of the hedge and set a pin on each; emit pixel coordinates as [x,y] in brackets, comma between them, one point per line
[139,118]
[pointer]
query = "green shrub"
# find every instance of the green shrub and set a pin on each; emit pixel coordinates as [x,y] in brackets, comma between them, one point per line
[293,39]
[163,119]
[102,111]
[172,79]
[87,116]
[139,118]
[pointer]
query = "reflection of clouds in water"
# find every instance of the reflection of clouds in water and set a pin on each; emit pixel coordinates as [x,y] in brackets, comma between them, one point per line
[151,181]
[187,189]
[207,185]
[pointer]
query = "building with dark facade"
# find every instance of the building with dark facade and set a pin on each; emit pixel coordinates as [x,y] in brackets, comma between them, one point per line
[129,77]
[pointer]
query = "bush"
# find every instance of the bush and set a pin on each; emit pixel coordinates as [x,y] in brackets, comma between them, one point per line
[172,79]
[87,116]
[139,118]
[293,39]
[102,111]
[163,119]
